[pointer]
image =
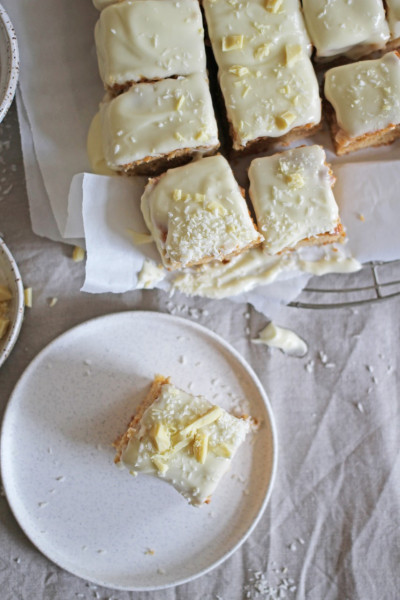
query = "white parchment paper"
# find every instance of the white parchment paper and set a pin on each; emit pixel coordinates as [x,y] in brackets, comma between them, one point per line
[56,105]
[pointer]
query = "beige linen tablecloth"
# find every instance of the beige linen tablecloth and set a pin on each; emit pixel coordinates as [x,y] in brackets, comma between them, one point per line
[331,529]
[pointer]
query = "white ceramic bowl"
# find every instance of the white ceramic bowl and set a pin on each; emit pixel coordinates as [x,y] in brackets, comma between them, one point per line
[9,63]
[9,276]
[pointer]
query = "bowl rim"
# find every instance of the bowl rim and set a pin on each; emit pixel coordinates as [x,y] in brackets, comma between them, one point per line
[12,63]
[16,324]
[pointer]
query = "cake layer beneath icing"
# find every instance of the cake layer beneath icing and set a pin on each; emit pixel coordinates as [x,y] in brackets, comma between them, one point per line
[340,27]
[187,441]
[292,197]
[155,119]
[365,95]
[197,213]
[140,40]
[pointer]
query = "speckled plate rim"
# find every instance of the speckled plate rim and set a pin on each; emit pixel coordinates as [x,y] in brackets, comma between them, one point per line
[273,433]
[7,344]
[10,80]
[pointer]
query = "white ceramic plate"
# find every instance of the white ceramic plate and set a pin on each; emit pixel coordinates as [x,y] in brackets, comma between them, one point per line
[9,276]
[9,63]
[76,506]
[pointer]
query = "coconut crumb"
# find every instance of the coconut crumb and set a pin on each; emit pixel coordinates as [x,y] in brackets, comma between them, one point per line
[309,367]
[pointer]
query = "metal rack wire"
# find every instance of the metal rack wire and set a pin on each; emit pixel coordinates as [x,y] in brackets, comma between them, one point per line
[376,281]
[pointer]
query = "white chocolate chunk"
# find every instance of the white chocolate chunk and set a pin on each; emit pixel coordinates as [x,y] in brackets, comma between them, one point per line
[238,70]
[284,120]
[293,53]
[78,254]
[200,446]
[232,42]
[160,437]
[274,6]
[209,417]
[28,297]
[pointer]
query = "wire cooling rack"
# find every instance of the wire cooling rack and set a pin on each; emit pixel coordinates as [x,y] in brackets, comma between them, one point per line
[376,281]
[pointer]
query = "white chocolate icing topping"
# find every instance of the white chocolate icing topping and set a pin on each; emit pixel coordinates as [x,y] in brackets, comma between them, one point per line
[153,119]
[197,213]
[331,264]
[353,28]
[149,39]
[187,441]
[292,197]
[365,95]
[266,76]
[393,16]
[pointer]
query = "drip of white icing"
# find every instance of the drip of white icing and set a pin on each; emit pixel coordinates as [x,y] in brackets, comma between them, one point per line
[242,274]
[254,268]
[286,340]
[330,265]
[149,275]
